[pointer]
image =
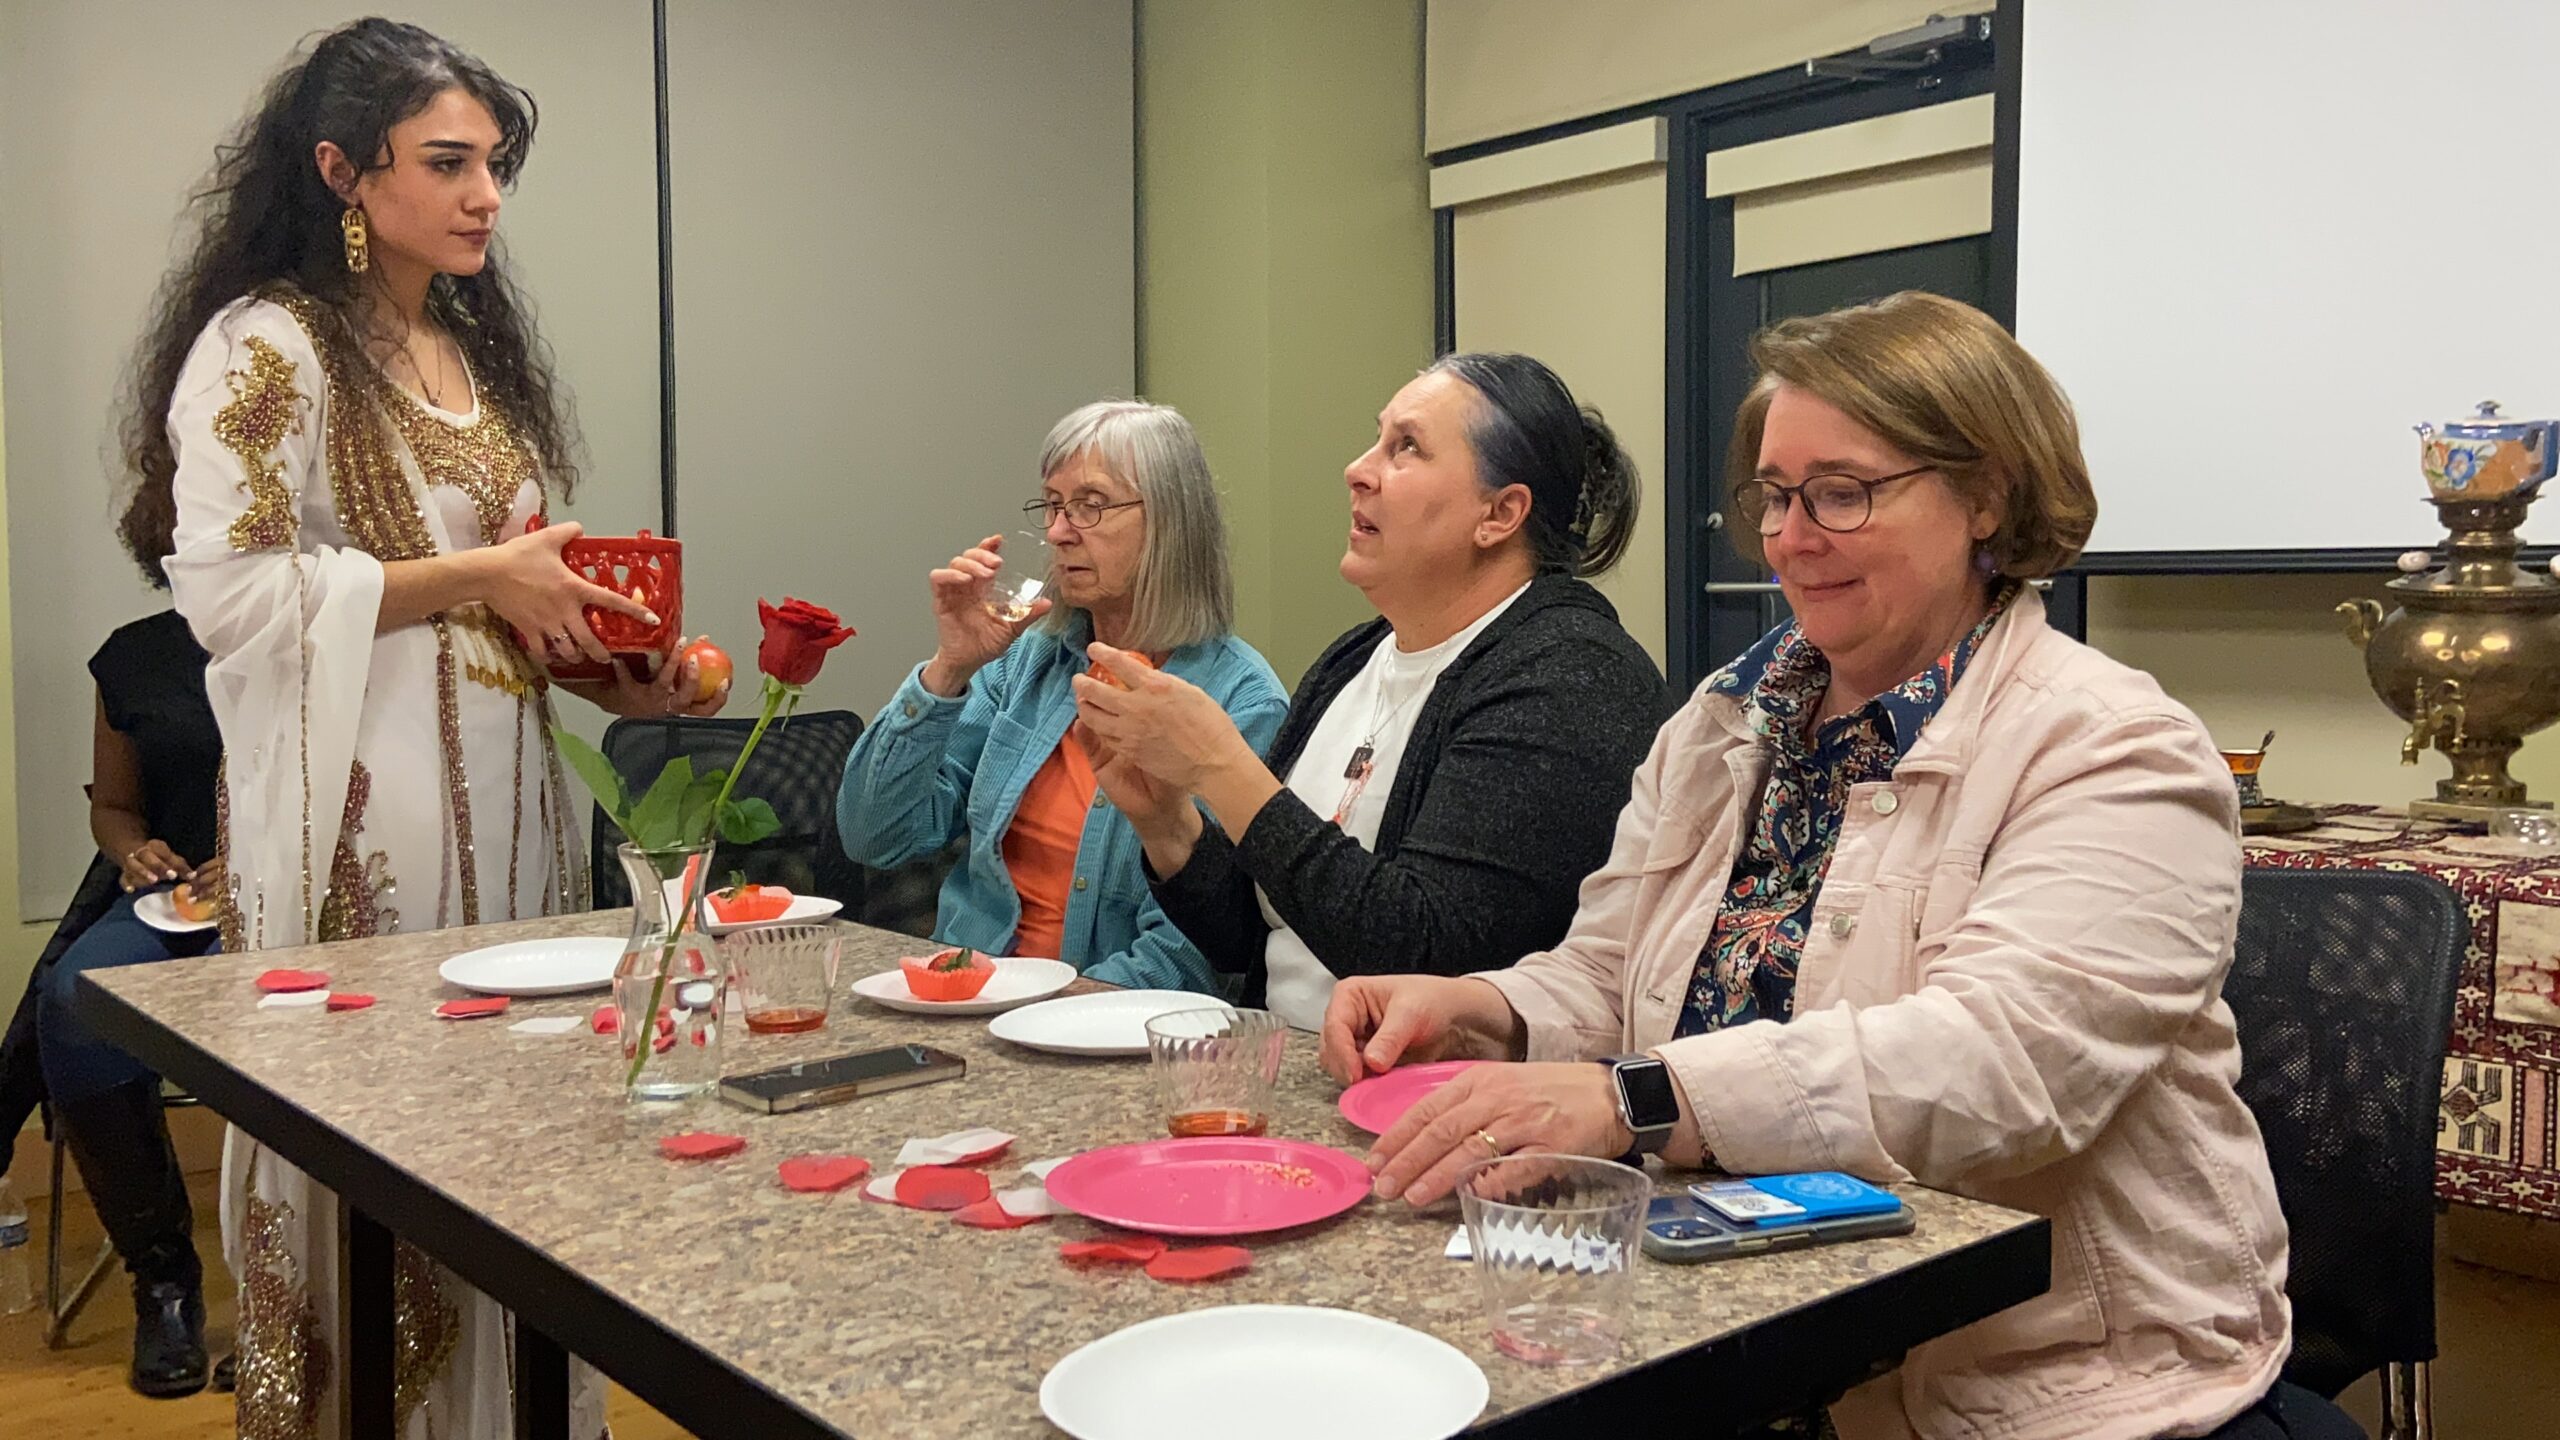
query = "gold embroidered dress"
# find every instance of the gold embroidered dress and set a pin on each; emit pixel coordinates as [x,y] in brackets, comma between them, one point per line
[373,783]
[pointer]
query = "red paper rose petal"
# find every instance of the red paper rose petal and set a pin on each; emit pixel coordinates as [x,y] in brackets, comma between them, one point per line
[344,1001]
[1203,1262]
[286,982]
[700,1145]
[1136,1250]
[822,1174]
[606,1021]
[988,1215]
[940,1187]
[473,1008]
[664,1043]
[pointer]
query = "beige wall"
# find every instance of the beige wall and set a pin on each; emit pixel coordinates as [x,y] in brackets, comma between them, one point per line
[903,250]
[2259,652]
[1285,265]
[1573,274]
[1498,67]
[19,943]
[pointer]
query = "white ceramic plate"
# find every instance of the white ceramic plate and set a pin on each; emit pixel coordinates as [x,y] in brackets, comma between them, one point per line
[536,967]
[160,912]
[1019,980]
[1334,1373]
[804,910]
[1111,1023]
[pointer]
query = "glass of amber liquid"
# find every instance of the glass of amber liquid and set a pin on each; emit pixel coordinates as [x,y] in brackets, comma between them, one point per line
[1215,1069]
[784,975]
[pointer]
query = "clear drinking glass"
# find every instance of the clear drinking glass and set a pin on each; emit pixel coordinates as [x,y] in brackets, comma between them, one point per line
[1215,1069]
[785,975]
[1013,588]
[1555,1240]
[2526,825]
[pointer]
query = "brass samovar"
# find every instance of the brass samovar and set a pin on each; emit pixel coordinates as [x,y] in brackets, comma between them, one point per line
[2471,658]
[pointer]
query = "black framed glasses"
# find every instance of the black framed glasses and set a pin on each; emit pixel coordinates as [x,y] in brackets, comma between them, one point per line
[1837,503]
[1084,512]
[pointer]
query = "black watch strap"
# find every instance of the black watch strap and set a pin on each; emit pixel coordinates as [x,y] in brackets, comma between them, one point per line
[1647,1104]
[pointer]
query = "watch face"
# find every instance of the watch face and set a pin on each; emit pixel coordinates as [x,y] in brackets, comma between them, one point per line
[1646,1085]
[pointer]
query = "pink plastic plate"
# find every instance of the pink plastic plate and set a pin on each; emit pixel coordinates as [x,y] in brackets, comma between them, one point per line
[1377,1103]
[1210,1186]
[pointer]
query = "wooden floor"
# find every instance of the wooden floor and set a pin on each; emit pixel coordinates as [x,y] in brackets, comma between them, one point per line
[2499,1378]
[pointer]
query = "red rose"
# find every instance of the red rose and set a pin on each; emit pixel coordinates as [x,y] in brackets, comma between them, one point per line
[797,638]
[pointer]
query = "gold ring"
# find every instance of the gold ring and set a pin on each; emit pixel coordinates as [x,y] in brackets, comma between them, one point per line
[1489,1142]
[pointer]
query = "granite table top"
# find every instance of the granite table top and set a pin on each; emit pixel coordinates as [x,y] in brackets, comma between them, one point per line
[867,1318]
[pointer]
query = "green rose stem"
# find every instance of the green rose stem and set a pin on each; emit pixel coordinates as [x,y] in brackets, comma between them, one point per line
[777,697]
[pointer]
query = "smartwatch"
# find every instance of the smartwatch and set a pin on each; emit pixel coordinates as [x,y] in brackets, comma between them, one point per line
[1647,1104]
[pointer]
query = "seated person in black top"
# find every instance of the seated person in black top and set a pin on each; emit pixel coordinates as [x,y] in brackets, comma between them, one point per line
[1448,773]
[151,811]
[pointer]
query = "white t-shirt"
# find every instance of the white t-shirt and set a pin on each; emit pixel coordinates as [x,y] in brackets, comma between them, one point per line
[1376,708]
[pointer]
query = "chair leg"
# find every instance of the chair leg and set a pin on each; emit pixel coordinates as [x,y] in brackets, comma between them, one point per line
[53,1222]
[59,1312]
[2407,1405]
[58,1326]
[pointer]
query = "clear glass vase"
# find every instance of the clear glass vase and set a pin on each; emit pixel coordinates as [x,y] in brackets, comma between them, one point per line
[670,988]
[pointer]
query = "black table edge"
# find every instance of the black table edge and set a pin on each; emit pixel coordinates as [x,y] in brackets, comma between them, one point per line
[702,1393]
[1744,1379]
[1748,1378]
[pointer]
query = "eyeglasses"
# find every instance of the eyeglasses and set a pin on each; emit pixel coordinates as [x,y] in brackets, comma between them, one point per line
[1837,503]
[1084,512]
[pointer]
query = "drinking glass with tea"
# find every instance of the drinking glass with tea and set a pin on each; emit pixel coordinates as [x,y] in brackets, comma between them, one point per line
[1215,1069]
[786,975]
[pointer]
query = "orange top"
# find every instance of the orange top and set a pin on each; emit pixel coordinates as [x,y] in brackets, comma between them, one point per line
[1040,846]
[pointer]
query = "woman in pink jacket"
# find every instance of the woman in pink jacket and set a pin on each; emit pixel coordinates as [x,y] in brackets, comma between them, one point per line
[1920,889]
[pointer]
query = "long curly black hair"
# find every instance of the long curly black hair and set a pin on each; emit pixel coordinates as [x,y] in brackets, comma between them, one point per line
[268,218]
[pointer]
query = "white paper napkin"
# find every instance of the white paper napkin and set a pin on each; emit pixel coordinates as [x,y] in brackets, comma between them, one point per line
[295,1000]
[950,1149]
[1029,1201]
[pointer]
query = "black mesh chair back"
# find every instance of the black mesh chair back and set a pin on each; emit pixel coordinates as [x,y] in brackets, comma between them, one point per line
[797,769]
[2343,991]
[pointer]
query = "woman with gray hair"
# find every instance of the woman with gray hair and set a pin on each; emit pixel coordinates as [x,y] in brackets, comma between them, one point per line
[978,743]
[1450,771]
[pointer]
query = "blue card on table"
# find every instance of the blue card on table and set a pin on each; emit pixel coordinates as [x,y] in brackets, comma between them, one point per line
[1773,1200]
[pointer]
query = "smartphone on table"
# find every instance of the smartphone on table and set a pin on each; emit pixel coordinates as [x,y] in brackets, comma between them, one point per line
[786,1088]
[1727,1219]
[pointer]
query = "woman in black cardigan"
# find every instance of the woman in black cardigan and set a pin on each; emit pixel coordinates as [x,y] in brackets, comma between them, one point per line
[1449,772]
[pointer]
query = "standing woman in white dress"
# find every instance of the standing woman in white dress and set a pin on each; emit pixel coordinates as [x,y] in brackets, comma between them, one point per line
[345,403]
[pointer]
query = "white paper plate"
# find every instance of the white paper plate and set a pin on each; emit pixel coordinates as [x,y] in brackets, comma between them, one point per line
[1019,980]
[160,912]
[804,910]
[536,967]
[1111,1023]
[1333,1373]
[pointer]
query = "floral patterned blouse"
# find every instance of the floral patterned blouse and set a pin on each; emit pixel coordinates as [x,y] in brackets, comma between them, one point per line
[1748,969]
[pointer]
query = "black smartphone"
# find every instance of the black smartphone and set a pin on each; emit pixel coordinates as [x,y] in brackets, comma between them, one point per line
[786,1088]
[1683,1231]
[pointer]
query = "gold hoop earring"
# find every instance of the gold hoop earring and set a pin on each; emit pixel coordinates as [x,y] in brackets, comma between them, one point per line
[359,252]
